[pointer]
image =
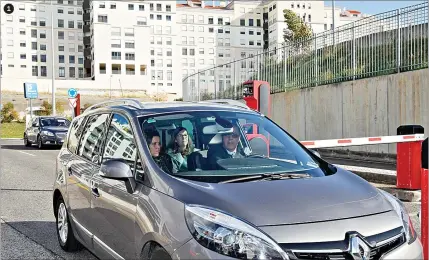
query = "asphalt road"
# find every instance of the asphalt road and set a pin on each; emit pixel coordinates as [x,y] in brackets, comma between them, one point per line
[27,220]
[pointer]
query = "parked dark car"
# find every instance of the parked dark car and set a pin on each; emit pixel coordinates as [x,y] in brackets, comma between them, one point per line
[46,130]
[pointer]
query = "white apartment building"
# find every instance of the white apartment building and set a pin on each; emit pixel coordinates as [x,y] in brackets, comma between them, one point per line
[26,40]
[132,42]
[146,45]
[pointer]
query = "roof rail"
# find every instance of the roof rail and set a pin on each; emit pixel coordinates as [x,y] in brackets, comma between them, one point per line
[119,101]
[231,102]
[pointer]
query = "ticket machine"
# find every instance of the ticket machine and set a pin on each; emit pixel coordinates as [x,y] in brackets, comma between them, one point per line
[257,96]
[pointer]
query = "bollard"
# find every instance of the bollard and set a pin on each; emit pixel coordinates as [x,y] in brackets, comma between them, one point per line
[425,199]
[408,159]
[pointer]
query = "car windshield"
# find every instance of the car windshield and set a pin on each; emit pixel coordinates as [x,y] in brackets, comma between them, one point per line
[213,146]
[55,122]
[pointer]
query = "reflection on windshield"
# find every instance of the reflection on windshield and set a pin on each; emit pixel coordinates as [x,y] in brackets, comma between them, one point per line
[220,144]
[55,122]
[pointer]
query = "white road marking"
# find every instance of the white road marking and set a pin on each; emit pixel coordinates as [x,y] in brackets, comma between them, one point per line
[27,153]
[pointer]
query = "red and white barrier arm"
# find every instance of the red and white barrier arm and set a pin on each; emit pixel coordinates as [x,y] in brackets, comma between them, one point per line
[363,141]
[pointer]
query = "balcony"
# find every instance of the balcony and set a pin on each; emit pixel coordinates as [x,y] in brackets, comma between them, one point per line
[86,17]
[87,63]
[86,28]
[87,52]
[87,40]
[86,4]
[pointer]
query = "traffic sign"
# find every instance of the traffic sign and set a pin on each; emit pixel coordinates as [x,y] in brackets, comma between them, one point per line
[72,102]
[72,93]
[8,8]
[30,90]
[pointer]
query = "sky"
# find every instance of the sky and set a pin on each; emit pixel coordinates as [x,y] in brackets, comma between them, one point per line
[368,6]
[373,7]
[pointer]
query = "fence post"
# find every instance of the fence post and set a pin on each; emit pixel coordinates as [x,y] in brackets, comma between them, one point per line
[316,67]
[354,50]
[398,46]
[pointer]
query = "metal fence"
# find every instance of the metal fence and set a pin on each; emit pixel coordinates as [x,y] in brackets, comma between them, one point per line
[386,43]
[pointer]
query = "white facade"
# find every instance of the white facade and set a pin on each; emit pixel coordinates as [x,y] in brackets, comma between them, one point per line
[26,40]
[146,45]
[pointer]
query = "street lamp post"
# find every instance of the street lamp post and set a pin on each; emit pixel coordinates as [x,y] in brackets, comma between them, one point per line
[54,109]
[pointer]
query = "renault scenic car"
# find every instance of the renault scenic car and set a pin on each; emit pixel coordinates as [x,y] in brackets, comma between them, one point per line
[179,180]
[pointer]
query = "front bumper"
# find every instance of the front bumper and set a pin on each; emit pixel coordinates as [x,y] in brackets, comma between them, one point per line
[193,250]
[52,140]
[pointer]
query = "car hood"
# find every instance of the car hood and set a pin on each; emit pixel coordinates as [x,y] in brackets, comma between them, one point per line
[55,128]
[339,196]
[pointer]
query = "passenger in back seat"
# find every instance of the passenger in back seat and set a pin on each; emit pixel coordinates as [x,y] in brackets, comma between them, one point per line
[180,149]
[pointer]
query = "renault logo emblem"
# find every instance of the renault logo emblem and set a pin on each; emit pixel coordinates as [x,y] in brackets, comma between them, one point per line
[358,249]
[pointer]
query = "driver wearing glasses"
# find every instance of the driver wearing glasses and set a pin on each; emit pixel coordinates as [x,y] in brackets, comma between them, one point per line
[227,149]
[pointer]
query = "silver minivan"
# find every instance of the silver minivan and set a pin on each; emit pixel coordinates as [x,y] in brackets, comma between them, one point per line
[214,181]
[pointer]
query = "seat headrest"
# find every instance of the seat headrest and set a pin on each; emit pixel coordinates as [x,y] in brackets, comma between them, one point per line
[217,139]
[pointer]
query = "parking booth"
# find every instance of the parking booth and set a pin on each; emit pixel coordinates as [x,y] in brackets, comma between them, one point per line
[408,159]
[257,95]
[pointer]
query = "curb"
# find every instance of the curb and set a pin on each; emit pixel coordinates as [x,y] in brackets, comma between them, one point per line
[11,138]
[387,183]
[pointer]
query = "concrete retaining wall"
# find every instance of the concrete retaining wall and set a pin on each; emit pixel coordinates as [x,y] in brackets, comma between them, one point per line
[367,107]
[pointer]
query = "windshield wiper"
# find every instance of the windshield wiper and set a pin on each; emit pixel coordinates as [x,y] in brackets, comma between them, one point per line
[269,177]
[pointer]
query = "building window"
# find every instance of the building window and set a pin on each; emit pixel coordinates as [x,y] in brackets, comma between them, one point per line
[60,23]
[43,71]
[60,47]
[33,33]
[34,58]
[35,71]
[129,56]
[168,17]
[129,45]
[102,18]
[129,31]
[116,55]
[23,56]
[169,75]
[141,7]
[61,35]
[42,22]
[250,22]
[72,72]
[22,19]
[60,11]
[159,7]
[61,58]
[130,7]
[159,17]
[79,25]
[113,6]
[22,31]
[34,46]
[116,31]
[80,60]
[42,34]
[116,68]
[71,59]
[168,8]
[211,20]
[43,57]
[242,22]
[62,72]
[71,24]
[80,48]
[70,11]
[80,73]
[23,44]
[43,47]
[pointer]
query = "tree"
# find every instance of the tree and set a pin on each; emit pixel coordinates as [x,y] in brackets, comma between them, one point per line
[297,33]
[8,113]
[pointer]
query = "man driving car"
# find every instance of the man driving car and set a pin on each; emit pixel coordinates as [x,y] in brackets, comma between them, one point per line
[227,149]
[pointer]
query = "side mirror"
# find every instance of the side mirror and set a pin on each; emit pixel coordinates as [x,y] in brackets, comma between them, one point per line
[316,153]
[117,169]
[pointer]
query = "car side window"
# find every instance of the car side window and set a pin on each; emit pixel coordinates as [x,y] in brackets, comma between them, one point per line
[120,142]
[75,132]
[92,137]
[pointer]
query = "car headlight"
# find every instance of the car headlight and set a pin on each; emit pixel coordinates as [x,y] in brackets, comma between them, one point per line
[402,213]
[47,133]
[230,236]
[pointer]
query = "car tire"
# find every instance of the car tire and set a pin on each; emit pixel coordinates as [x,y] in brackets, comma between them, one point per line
[26,142]
[154,252]
[39,143]
[65,234]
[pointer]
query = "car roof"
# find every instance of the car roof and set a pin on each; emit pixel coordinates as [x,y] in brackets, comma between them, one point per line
[147,108]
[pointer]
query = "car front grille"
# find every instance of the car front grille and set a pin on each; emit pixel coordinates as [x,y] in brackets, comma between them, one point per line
[319,251]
